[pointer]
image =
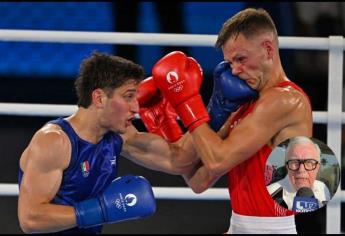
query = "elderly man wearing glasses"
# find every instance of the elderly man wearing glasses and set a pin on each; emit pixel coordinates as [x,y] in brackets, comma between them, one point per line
[302,161]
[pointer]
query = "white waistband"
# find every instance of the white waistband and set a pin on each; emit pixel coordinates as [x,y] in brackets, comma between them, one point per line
[264,225]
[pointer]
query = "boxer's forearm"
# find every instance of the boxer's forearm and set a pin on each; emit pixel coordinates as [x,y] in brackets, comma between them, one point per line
[46,218]
[200,179]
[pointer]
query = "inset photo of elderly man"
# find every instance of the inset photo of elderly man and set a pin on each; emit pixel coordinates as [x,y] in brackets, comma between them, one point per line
[302,174]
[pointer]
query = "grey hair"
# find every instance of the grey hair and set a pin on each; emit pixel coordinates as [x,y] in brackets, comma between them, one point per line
[300,140]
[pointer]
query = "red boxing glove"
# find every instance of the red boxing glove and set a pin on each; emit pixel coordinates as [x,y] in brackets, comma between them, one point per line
[156,112]
[179,78]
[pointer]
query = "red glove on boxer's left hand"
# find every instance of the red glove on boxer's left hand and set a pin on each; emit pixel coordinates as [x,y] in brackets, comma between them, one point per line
[179,78]
[156,112]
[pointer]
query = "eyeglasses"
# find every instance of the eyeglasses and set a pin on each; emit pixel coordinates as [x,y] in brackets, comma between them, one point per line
[309,164]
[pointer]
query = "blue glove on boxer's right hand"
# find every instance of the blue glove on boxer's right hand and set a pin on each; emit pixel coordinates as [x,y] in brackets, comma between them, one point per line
[229,93]
[126,198]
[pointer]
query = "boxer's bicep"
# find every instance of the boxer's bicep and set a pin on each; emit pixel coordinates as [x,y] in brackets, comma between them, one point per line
[45,159]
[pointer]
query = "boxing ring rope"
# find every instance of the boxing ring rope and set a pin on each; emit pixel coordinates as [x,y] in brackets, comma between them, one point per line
[156,39]
[34,109]
[333,117]
[167,193]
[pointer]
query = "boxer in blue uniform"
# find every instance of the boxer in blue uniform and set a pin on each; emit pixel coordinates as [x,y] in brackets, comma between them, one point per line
[68,173]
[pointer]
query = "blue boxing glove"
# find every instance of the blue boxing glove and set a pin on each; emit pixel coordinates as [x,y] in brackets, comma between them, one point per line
[126,198]
[229,93]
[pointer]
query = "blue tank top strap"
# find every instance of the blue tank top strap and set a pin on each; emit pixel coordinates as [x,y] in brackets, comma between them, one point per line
[64,125]
[67,128]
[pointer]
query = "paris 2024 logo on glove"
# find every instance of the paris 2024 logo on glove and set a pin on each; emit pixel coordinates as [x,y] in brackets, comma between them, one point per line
[173,79]
[122,202]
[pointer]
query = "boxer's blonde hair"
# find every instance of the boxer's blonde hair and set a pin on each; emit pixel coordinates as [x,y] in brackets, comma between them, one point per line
[249,22]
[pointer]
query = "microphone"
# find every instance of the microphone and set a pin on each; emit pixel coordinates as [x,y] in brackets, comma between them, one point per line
[305,201]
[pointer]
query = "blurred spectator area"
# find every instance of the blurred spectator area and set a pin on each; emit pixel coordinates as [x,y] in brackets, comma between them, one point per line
[60,60]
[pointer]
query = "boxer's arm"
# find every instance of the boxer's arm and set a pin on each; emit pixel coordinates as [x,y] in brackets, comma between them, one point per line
[200,179]
[43,163]
[154,152]
[278,111]
[223,132]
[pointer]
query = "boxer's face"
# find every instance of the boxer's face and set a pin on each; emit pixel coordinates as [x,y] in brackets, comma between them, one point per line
[303,177]
[120,107]
[248,60]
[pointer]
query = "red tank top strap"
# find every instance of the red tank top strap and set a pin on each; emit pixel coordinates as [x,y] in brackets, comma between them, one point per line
[244,110]
[290,83]
[295,86]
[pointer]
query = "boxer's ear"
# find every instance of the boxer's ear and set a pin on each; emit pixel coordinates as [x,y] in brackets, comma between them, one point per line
[98,97]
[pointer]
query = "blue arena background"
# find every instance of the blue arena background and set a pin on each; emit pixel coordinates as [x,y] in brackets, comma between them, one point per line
[61,60]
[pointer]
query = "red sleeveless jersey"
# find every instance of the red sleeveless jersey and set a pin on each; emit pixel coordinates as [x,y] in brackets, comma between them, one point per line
[248,192]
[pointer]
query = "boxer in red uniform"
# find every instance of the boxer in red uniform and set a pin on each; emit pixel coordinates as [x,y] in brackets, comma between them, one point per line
[249,42]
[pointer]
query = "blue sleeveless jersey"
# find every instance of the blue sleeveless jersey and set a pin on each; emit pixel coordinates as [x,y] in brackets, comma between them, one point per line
[91,169]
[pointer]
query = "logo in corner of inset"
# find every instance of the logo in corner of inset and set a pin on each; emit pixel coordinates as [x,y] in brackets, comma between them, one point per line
[85,168]
[130,199]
